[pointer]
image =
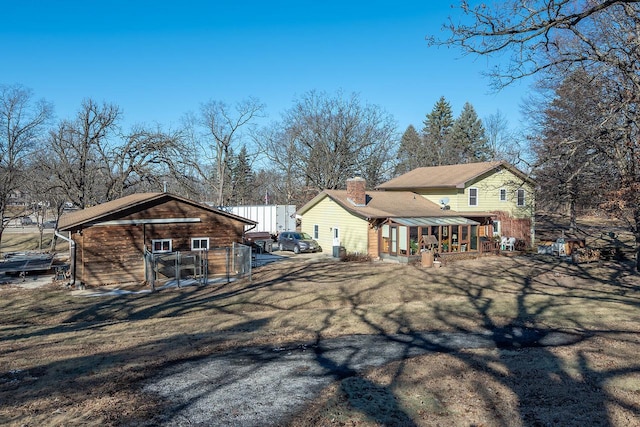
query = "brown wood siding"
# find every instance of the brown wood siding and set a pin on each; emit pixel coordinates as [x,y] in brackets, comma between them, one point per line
[520,228]
[373,246]
[110,255]
[217,262]
[115,253]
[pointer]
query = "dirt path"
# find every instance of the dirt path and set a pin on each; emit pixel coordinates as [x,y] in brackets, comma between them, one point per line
[266,386]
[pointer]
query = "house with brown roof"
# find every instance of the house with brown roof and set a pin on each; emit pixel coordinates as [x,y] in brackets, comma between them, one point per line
[497,188]
[452,209]
[109,241]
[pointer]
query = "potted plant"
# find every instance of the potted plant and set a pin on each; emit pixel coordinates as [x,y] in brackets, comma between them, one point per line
[413,245]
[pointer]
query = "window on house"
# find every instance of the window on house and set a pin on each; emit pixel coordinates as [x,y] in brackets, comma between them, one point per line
[316,231]
[503,194]
[473,197]
[199,243]
[520,195]
[161,245]
[496,228]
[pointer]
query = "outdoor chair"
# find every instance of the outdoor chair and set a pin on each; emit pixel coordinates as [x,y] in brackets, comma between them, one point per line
[503,243]
[511,244]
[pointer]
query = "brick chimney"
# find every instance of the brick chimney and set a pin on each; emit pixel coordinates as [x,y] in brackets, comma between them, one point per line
[356,191]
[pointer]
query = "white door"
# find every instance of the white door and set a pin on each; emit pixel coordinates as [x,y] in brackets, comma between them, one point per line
[336,236]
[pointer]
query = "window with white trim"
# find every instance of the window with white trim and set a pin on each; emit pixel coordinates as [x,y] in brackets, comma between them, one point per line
[199,243]
[520,197]
[503,195]
[316,231]
[159,246]
[496,228]
[473,196]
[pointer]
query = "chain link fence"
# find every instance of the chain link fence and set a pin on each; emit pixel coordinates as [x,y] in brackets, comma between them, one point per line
[184,268]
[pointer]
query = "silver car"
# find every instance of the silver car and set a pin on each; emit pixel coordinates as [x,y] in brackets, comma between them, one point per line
[297,242]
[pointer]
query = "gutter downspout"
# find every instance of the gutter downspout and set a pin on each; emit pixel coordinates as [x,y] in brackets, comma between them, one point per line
[72,255]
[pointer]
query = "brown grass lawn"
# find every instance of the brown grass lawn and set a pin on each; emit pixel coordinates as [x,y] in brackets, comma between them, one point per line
[71,360]
[76,360]
[28,239]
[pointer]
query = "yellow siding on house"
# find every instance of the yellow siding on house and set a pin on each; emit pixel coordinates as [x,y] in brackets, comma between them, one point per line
[328,214]
[489,186]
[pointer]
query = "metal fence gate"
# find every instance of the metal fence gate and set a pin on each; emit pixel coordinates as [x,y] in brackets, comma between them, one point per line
[197,267]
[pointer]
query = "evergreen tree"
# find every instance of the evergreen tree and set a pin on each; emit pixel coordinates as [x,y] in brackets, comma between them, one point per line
[468,140]
[242,179]
[411,152]
[436,131]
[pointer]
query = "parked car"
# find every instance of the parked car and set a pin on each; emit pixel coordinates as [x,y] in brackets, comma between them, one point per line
[49,224]
[260,241]
[297,242]
[26,220]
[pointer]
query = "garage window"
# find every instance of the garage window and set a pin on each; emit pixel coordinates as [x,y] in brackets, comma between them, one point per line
[161,246]
[199,243]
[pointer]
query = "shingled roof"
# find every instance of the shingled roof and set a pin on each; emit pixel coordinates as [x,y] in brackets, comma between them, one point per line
[384,204]
[97,212]
[449,176]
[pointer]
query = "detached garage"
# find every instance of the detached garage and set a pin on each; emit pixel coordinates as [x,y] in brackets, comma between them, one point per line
[109,241]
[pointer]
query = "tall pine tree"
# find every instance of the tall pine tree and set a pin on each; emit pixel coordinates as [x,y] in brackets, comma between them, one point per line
[411,152]
[242,179]
[436,132]
[468,140]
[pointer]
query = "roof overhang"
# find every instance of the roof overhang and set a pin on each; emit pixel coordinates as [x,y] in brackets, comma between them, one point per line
[434,221]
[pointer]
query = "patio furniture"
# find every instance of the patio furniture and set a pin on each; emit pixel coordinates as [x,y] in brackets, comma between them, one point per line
[511,244]
[503,243]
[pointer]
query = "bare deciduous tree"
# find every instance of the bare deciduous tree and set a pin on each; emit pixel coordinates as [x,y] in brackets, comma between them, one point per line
[327,139]
[93,163]
[142,160]
[223,126]
[279,146]
[503,142]
[22,121]
[557,37]
[75,146]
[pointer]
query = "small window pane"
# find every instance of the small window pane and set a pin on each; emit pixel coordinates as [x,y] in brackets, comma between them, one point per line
[161,245]
[199,243]
[473,197]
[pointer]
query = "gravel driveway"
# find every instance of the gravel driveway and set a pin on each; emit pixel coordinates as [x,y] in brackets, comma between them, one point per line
[265,386]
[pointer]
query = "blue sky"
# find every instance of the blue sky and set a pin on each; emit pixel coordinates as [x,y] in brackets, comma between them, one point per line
[158,60]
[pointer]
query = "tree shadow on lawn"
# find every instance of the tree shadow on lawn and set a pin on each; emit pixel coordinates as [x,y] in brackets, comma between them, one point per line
[547,391]
[86,387]
[218,297]
[574,386]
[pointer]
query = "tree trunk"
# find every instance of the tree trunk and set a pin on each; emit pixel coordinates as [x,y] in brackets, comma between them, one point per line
[572,216]
[636,233]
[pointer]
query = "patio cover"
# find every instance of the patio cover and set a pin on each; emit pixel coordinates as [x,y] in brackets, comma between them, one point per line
[428,221]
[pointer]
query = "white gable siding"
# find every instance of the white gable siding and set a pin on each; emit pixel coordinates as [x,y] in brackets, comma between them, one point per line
[328,214]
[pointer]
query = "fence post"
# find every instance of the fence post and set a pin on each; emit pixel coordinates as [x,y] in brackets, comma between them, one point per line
[177,268]
[228,267]
[205,267]
[151,268]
